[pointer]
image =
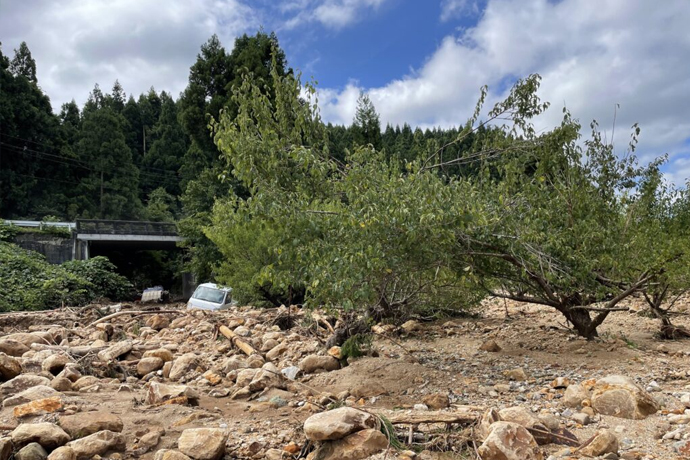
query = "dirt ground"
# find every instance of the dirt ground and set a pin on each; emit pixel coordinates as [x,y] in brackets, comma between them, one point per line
[442,357]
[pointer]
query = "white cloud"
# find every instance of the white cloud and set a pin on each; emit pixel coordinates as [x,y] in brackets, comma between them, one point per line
[142,43]
[590,57]
[330,13]
[453,9]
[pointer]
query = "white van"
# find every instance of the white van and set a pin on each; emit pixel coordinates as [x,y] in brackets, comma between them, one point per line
[210,296]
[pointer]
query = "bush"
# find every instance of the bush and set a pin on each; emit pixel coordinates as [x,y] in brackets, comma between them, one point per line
[29,282]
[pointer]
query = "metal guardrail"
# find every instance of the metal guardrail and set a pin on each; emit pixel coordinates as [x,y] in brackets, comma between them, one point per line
[41,224]
[125,227]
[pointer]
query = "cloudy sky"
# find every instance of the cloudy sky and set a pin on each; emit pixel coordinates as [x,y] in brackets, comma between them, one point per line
[421,61]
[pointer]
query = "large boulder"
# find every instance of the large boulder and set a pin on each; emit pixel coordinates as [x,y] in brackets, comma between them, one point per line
[21,383]
[527,419]
[38,407]
[115,351]
[63,453]
[33,451]
[183,365]
[5,448]
[26,338]
[86,423]
[46,434]
[148,365]
[54,364]
[509,441]
[357,446]
[13,347]
[604,442]
[203,443]
[316,363]
[620,396]
[159,393]
[574,395]
[337,423]
[167,454]
[30,394]
[97,444]
[9,367]
[162,353]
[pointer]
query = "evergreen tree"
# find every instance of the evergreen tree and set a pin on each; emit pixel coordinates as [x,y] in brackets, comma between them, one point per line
[23,64]
[366,127]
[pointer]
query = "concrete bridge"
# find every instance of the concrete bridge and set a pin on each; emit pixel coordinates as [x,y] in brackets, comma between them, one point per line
[90,236]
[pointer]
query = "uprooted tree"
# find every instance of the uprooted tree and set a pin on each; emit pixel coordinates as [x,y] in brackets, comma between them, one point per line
[537,218]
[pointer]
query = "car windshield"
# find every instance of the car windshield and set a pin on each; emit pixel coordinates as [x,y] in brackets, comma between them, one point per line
[209,294]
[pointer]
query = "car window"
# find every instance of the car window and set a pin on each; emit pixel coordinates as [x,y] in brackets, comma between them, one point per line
[209,294]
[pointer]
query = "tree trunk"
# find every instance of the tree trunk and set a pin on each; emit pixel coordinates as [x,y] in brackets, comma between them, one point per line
[581,321]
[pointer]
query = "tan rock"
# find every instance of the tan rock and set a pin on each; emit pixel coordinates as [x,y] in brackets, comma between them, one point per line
[63,453]
[436,401]
[245,377]
[314,363]
[490,346]
[337,423]
[212,377]
[21,383]
[183,365]
[54,364]
[46,434]
[84,382]
[61,384]
[26,338]
[518,374]
[86,423]
[357,446]
[97,444]
[5,448]
[158,322]
[489,417]
[203,443]
[33,451]
[9,367]
[574,395]
[560,382]
[167,454]
[148,365]
[277,351]
[411,326]
[30,394]
[159,393]
[603,443]
[13,347]
[268,376]
[115,351]
[509,441]
[335,352]
[524,417]
[620,396]
[39,406]
[162,353]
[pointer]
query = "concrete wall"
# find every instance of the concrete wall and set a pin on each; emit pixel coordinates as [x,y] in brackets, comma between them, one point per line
[56,249]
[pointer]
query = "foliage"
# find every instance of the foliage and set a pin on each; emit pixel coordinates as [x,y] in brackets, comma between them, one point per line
[100,273]
[29,282]
[8,232]
[355,346]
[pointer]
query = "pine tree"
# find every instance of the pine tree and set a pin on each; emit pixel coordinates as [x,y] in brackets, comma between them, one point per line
[23,64]
[366,126]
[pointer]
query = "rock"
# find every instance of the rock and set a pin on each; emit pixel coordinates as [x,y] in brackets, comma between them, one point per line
[620,396]
[581,418]
[26,338]
[54,364]
[13,347]
[162,353]
[159,393]
[61,384]
[518,374]
[5,448]
[276,351]
[212,377]
[357,446]
[182,365]
[148,365]
[267,377]
[86,423]
[603,443]
[30,394]
[560,382]
[97,444]
[9,367]
[158,322]
[436,401]
[255,361]
[21,383]
[489,417]
[84,382]
[313,363]
[63,453]
[167,454]
[574,395]
[337,423]
[33,451]
[203,443]
[411,326]
[115,351]
[46,434]
[39,406]
[490,346]
[509,441]
[70,372]
[245,377]
[527,419]
[335,352]
[149,441]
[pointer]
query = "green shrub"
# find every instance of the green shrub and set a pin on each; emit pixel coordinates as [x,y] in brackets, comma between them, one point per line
[100,272]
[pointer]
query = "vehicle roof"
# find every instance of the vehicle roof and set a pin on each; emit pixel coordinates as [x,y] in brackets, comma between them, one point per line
[215,286]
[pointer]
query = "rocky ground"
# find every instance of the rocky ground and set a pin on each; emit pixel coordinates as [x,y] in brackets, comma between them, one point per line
[160,382]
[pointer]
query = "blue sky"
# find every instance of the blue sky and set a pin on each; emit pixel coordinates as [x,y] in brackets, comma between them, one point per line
[421,62]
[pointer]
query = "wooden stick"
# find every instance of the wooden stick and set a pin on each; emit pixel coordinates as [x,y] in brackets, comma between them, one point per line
[468,416]
[239,343]
[132,312]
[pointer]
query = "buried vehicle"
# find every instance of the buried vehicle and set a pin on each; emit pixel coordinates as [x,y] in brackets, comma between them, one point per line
[210,296]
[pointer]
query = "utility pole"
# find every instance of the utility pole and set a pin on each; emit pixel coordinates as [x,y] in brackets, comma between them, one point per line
[101,193]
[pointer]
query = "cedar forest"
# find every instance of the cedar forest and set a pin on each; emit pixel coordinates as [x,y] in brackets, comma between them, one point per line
[386,222]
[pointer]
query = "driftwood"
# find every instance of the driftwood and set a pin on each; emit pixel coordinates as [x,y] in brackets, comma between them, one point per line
[466,415]
[133,312]
[237,341]
[74,351]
